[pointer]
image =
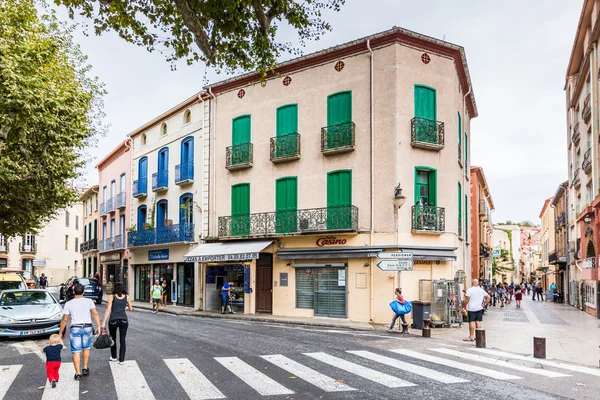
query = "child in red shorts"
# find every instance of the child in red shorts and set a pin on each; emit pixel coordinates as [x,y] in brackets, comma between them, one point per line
[53,359]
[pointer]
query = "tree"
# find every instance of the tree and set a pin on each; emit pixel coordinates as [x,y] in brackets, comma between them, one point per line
[50,110]
[228,34]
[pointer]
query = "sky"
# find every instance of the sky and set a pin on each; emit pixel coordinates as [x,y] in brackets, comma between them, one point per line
[517,53]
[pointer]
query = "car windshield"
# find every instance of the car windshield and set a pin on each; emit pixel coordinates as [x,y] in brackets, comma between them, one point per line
[7,285]
[25,298]
[86,281]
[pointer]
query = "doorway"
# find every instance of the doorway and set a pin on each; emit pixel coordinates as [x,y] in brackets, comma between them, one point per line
[185,284]
[264,283]
[330,292]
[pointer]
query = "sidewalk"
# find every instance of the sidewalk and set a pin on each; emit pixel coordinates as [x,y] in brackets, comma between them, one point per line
[571,334]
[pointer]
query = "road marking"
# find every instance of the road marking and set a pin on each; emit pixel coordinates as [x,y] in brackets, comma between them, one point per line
[575,368]
[364,372]
[253,377]
[29,347]
[66,388]
[475,357]
[308,374]
[8,373]
[408,367]
[455,364]
[130,383]
[195,384]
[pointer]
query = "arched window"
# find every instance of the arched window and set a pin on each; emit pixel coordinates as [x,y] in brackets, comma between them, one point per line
[143,139]
[162,213]
[141,217]
[187,117]
[163,129]
[186,209]
[143,168]
[163,159]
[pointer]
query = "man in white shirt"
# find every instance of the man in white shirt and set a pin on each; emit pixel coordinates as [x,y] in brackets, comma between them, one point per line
[81,311]
[475,301]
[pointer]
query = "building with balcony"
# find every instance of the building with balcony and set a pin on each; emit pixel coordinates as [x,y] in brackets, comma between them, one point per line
[168,201]
[482,227]
[53,250]
[563,255]
[114,173]
[89,239]
[549,253]
[307,167]
[582,99]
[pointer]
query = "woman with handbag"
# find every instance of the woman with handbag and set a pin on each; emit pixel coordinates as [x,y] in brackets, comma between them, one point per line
[117,304]
[400,308]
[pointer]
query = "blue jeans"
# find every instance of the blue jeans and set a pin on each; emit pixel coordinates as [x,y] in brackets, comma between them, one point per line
[224,300]
[396,316]
[80,338]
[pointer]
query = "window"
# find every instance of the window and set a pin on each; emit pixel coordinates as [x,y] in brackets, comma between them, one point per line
[143,139]
[466,218]
[339,199]
[459,137]
[590,293]
[104,194]
[3,263]
[29,241]
[77,245]
[122,224]
[186,209]
[113,188]
[77,222]
[66,242]
[305,292]
[143,168]
[96,195]
[459,209]
[67,219]
[187,117]
[163,159]
[163,129]
[589,194]
[286,204]
[162,213]
[112,227]
[425,112]
[141,217]
[186,169]
[241,130]
[287,129]
[91,196]
[95,229]
[27,264]
[466,153]
[339,108]
[425,186]
[122,188]
[104,231]
[240,209]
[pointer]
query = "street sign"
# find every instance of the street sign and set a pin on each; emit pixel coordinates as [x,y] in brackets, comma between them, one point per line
[395,265]
[395,256]
[496,252]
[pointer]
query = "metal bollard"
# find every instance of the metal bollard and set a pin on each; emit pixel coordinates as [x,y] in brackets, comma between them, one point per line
[539,347]
[426,328]
[404,328]
[480,338]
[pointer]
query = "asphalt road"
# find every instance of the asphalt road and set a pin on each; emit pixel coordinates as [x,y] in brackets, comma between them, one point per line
[181,357]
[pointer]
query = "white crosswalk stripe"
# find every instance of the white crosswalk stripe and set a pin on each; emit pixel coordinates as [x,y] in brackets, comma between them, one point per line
[408,367]
[195,384]
[8,373]
[252,377]
[574,368]
[364,372]
[308,374]
[456,364]
[500,363]
[66,388]
[130,383]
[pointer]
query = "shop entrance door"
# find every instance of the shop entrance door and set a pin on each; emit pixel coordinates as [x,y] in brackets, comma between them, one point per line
[330,292]
[185,285]
[264,283]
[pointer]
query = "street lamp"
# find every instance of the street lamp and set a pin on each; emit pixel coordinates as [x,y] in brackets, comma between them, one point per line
[587,219]
[399,198]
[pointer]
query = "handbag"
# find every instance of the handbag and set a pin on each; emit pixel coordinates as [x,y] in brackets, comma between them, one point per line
[103,341]
[400,308]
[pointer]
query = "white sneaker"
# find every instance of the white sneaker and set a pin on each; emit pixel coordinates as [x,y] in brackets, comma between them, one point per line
[388,329]
[121,362]
[112,359]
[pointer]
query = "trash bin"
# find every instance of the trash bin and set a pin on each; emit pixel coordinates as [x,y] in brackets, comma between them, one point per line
[420,311]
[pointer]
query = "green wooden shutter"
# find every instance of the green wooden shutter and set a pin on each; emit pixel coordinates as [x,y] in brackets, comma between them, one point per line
[459,137]
[425,112]
[339,199]
[95,229]
[459,209]
[286,204]
[339,118]
[240,209]
[466,218]
[240,136]
[287,127]
[466,150]
[432,187]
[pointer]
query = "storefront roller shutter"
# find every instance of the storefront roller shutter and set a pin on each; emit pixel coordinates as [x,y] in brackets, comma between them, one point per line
[330,292]
[304,289]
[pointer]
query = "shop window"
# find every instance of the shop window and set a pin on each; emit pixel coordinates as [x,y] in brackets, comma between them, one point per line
[590,294]
[305,295]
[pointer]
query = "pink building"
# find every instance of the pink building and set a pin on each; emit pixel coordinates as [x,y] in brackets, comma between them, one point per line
[114,179]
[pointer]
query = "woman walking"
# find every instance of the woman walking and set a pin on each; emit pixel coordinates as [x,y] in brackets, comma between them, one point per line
[518,295]
[117,304]
[399,299]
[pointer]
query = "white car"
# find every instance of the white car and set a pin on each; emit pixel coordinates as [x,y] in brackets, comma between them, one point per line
[29,312]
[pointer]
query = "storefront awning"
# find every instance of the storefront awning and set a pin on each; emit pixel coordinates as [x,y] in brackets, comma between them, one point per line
[219,252]
[420,253]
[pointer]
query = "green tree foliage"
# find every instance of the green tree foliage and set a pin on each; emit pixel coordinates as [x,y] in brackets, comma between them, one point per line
[50,110]
[227,34]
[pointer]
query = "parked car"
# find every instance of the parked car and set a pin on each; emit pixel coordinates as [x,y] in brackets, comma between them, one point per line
[28,312]
[92,289]
[11,280]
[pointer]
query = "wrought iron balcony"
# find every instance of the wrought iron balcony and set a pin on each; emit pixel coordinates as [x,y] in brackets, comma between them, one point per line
[586,112]
[140,187]
[111,205]
[184,173]
[338,138]
[576,135]
[459,226]
[586,165]
[576,179]
[484,250]
[110,244]
[121,200]
[285,147]
[161,235]
[102,209]
[314,220]
[89,245]
[560,221]
[484,212]
[239,156]
[427,134]
[160,181]
[552,258]
[428,219]
[25,248]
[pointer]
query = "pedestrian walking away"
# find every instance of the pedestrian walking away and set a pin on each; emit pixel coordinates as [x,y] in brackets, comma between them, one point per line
[165,292]
[156,296]
[399,299]
[53,358]
[518,295]
[117,320]
[43,281]
[540,292]
[534,291]
[81,311]
[475,299]
[226,296]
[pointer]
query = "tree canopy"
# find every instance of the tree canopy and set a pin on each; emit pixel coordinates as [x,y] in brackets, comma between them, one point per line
[50,111]
[226,34]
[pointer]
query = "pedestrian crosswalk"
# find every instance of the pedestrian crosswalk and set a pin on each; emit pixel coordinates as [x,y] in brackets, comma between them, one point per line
[393,369]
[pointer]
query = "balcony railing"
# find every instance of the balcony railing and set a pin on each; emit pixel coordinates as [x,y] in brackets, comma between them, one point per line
[4,245]
[111,205]
[576,135]
[586,112]
[338,138]
[160,181]
[285,147]
[239,156]
[459,226]
[484,250]
[89,245]
[27,248]
[184,173]
[484,212]
[560,221]
[586,165]
[427,134]
[295,222]
[428,219]
[102,209]
[140,187]
[161,235]
[110,244]
[121,200]
[576,178]
[552,258]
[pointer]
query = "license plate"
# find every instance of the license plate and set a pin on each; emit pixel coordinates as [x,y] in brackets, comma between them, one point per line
[89,290]
[36,332]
